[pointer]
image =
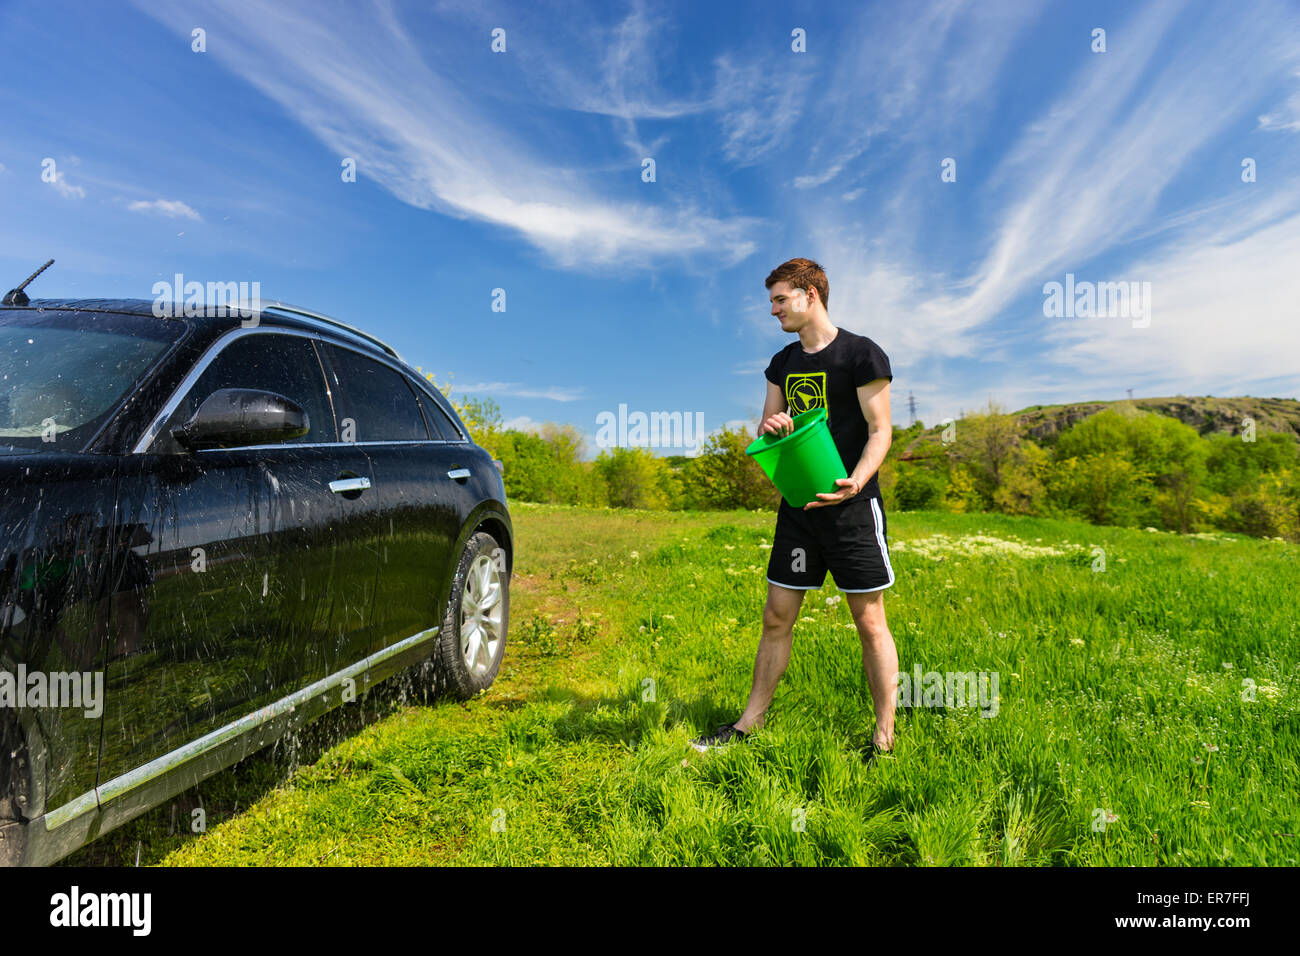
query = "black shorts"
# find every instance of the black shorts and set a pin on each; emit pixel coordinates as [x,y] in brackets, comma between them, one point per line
[848,540]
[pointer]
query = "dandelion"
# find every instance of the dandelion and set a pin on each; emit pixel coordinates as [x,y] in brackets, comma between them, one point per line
[1212,748]
[809,620]
[833,600]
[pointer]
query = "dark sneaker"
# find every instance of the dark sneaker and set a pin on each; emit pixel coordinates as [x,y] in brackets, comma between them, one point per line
[719,738]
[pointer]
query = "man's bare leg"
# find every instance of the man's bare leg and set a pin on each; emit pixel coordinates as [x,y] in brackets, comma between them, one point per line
[773,652]
[879,661]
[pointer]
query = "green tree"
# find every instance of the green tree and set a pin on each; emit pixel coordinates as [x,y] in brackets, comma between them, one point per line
[635,478]
[1103,488]
[1233,464]
[918,487]
[1169,456]
[1021,489]
[987,444]
[722,476]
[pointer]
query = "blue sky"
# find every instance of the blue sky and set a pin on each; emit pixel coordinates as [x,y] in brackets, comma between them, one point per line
[522,171]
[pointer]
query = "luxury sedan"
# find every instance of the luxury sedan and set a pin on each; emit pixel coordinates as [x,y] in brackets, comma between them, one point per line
[212,530]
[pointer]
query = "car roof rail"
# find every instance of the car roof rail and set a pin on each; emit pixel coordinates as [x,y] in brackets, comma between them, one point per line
[329,320]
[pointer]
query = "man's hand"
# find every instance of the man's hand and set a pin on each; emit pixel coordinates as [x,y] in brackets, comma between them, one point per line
[779,424]
[848,488]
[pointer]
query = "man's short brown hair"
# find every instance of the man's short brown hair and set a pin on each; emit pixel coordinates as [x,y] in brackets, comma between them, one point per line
[801,274]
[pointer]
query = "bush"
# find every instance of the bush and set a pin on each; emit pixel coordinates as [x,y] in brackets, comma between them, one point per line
[918,487]
[636,478]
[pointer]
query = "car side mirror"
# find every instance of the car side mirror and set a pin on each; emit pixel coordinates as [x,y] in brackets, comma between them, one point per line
[231,417]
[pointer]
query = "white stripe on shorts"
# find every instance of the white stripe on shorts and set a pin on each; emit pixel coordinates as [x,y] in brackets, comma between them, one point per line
[884,551]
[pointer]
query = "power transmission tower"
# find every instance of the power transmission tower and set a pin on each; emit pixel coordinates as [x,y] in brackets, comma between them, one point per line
[911,406]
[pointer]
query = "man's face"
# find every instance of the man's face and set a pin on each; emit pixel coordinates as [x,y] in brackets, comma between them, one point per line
[791,306]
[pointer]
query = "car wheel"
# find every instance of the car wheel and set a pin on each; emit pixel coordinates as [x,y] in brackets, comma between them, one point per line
[473,638]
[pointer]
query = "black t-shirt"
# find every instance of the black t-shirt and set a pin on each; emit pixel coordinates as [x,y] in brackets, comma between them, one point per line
[830,379]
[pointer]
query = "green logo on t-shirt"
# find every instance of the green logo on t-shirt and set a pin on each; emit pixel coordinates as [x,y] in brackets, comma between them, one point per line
[805,390]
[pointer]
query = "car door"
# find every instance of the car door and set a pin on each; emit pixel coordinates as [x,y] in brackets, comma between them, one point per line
[63,578]
[262,576]
[70,585]
[420,485]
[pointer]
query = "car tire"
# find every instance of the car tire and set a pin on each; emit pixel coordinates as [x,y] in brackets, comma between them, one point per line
[472,641]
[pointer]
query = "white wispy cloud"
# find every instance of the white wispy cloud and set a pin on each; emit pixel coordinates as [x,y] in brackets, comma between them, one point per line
[1286,117]
[756,366]
[1081,182]
[65,188]
[357,81]
[171,208]
[758,106]
[522,423]
[552,393]
[1227,337]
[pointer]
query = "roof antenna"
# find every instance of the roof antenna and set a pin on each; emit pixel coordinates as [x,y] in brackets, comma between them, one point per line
[18,296]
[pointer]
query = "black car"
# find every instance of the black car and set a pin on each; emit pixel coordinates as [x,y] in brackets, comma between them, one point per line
[230,526]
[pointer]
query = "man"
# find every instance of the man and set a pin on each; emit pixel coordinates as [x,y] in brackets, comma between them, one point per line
[844,531]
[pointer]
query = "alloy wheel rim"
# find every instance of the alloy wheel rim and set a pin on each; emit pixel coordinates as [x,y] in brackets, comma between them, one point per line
[481,607]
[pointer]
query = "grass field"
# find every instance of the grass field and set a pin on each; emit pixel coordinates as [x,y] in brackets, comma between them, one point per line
[1146,713]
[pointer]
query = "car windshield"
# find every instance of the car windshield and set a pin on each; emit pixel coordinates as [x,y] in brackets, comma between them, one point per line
[64,373]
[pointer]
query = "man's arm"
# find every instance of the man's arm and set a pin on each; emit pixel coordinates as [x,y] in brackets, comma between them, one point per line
[775,418]
[874,399]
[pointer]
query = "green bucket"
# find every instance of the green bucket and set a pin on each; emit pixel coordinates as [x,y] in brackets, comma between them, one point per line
[803,463]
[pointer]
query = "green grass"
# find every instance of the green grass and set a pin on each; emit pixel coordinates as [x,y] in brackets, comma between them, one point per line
[1114,685]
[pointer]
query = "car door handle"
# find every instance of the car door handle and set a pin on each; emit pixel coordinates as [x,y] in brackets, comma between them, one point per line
[342,485]
[460,474]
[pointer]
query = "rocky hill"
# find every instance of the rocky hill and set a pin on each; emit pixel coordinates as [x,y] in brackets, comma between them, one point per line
[1042,423]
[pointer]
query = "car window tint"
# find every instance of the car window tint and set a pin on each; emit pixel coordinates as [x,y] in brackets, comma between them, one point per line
[439,423]
[284,364]
[376,398]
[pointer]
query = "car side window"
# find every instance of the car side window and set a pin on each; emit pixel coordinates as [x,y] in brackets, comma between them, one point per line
[284,364]
[439,423]
[375,403]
